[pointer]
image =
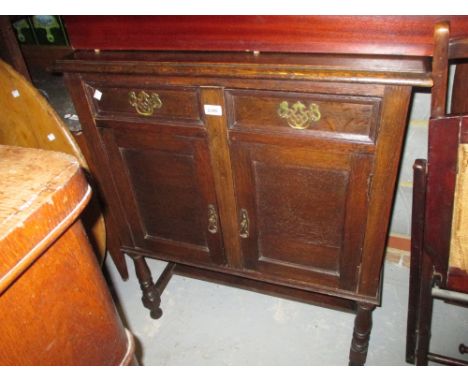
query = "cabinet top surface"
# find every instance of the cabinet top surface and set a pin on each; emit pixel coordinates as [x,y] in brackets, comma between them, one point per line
[403,70]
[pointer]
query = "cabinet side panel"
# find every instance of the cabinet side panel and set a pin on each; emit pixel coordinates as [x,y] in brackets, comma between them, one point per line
[387,157]
[118,232]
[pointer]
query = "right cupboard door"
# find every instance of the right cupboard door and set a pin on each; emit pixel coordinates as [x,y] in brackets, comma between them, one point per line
[302,200]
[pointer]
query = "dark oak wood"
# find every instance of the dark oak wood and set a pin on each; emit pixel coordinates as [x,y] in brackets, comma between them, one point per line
[302,206]
[361,335]
[318,200]
[223,176]
[151,297]
[152,291]
[387,158]
[277,290]
[417,248]
[345,117]
[54,302]
[178,104]
[258,276]
[369,69]
[399,35]
[293,157]
[165,178]
[104,183]
[165,277]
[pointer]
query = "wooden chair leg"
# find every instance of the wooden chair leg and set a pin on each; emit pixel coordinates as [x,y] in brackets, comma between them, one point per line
[421,276]
[413,308]
[361,334]
[417,236]
[151,298]
[424,314]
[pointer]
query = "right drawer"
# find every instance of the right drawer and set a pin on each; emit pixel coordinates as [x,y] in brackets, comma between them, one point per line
[304,114]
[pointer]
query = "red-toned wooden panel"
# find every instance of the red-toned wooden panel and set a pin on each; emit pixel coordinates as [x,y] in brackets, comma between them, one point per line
[457,280]
[406,35]
[441,180]
[464,129]
[460,91]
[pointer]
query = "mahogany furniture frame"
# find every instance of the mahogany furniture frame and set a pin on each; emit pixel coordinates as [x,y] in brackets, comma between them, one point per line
[433,204]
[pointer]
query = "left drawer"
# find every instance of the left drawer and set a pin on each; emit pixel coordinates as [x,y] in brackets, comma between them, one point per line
[178,104]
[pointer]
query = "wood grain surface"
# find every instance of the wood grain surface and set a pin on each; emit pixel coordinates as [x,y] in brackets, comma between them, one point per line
[396,35]
[55,306]
[28,120]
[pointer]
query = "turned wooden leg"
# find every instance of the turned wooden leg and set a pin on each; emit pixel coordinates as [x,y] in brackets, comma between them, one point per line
[361,334]
[424,316]
[151,297]
[417,245]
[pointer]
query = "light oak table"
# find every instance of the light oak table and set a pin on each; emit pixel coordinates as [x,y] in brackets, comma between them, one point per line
[55,307]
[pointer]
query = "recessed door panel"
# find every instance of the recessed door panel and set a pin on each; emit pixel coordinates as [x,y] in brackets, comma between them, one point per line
[306,211]
[167,186]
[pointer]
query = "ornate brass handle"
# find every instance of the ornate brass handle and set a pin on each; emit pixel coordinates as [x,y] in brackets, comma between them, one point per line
[298,115]
[144,103]
[244,224]
[212,219]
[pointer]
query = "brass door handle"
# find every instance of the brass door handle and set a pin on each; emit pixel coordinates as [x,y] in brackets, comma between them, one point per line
[144,103]
[244,224]
[212,219]
[298,115]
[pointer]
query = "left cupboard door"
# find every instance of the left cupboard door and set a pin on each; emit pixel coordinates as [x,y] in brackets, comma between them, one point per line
[164,177]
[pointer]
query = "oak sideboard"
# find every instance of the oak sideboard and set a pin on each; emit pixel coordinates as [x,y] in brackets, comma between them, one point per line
[271,169]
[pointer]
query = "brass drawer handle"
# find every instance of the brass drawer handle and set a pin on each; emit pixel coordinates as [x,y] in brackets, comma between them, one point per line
[144,103]
[298,115]
[244,224]
[212,219]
